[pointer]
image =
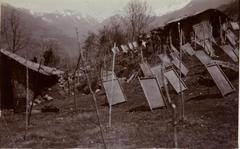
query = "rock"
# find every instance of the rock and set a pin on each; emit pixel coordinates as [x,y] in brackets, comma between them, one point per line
[47,97]
[37,101]
[98,90]
[36,111]
[50,109]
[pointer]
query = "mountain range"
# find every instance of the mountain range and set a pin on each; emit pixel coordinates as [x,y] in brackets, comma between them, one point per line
[67,21]
[62,24]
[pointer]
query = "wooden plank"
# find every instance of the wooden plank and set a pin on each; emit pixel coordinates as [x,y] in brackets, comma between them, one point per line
[146,69]
[230,52]
[228,65]
[183,70]
[165,59]
[135,44]
[159,75]
[130,45]
[114,92]
[188,49]
[231,37]
[107,75]
[173,78]
[115,49]
[152,93]
[174,50]
[231,40]
[176,63]
[236,51]
[199,31]
[234,25]
[207,45]
[124,49]
[203,30]
[203,57]
[220,79]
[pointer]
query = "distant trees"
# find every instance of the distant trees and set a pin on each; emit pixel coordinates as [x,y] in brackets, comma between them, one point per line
[137,17]
[50,46]
[97,46]
[90,46]
[117,34]
[48,56]
[13,30]
[100,43]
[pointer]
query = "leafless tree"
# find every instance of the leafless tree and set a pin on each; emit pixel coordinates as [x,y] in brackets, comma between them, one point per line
[13,30]
[137,17]
[117,34]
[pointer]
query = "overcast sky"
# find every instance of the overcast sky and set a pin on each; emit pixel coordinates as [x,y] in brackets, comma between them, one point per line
[97,8]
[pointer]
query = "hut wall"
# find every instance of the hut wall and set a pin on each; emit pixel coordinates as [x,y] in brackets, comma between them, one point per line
[7,100]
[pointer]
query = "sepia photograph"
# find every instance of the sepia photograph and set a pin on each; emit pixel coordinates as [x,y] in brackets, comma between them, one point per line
[119,74]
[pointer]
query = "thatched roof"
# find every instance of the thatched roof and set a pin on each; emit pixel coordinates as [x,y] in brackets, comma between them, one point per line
[31,65]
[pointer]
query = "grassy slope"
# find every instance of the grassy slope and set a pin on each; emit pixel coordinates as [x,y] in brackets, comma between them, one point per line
[211,122]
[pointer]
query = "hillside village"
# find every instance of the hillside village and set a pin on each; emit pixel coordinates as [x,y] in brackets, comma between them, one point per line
[125,84]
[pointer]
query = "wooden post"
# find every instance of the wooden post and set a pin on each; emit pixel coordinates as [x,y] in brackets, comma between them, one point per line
[180,74]
[74,96]
[35,95]
[221,31]
[74,78]
[27,100]
[1,63]
[141,48]
[91,91]
[68,84]
[195,40]
[112,90]
[173,106]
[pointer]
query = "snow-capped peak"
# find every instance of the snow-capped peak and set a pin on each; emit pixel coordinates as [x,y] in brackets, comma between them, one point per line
[65,12]
[47,20]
